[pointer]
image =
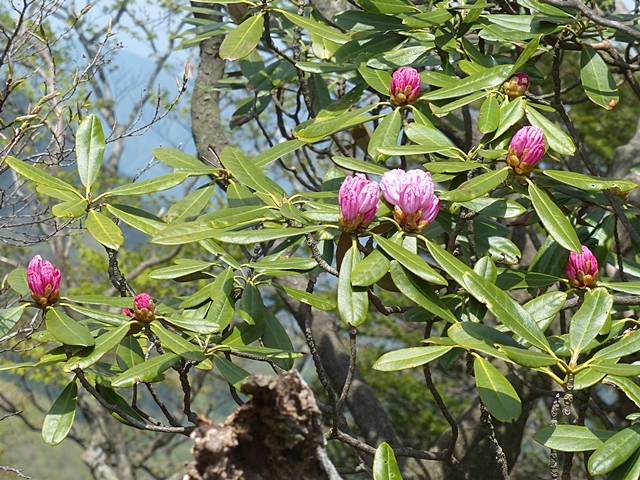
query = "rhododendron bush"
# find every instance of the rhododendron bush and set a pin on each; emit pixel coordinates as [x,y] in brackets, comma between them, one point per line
[420,163]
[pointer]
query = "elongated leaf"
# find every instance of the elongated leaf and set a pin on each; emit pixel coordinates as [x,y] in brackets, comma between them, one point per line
[353,302]
[411,261]
[67,330]
[17,279]
[146,371]
[190,206]
[90,147]
[275,336]
[527,53]
[629,470]
[247,173]
[370,270]
[529,358]
[572,438]
[70,209]
[15,366]
[158,184]
[489,115]
[492,77]
[243,39]
[510,114]
[615,451]
[385,466]
[321,303]
[104,343]
[320,127]
[451,167]
[40,177]
[495,391]
[234,374]
[589,319]
[138,219]
[628,344]
[627,385]
[377,79]
[185,267]
[477,186]
[108,318]
[359,165]
[275,152]
[252,308]
[66,195]
[182,162]
[419,291]
[495,207]
[480,337]
[59,420]
[104,230]
[588,182]
[292,263]
[177,344]
[183,233]
[544,308]
[618,369]
[507,310]
[597,80]
[385,134]
[556,138]
[461,102]
[409,358]
[316,27]
[554,220]
[246,237]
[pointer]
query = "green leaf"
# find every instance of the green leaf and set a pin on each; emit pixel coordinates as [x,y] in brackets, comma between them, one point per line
[629,470]
[242,335]
[385,134]
[71,209]
[275,152]
[320,127]
[489,118]
[184,267]
[451,167]
[477,186]
[527,53]
[386,6]
[359,165]
[230,371]
[15,366]
[419,291]
[145,371]
[321,303]
[243,39]
[316,27]
[183,233]
[246,237]
[461,102]
[627,385]
[190,206]
[495,207]
[377,79]
[411,261]
[544,308]
[385,466]
[66,195]
[510,114]
[90,147]
[370,270]
[17,279]
[157,184]
[556,138]
[409,358]
[9,317]
[59,419]
[615,451]
[248,174]
[554,220]
[589,319]
[104,230]
[38,176]
[67,330]
[252,308]
[139,219]
[589,183]
[275,336]
[495,391]
[572,438]
[229,217]
[480,337]
[182,162]
[177,344]
[529,358]
[620,370]
[104,343]
[628,344]
[490,78]
[291,263]
[428,136]
[597,80]
[353,302]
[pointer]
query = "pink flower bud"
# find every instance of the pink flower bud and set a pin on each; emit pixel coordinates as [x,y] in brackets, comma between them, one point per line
[405,86]
[358,199]
[143,308]
[412,195]
[526,149]
[516,86]
[44,281]
[582,269]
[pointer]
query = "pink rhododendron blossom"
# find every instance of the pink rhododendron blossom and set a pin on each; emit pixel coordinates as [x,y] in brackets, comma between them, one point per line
[517,85]
[143,308]
[405,86]
[582,269]
[358,199]
[412,195]
[526,149]
[44,281]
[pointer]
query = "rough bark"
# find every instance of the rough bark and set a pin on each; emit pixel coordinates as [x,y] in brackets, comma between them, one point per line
[276,435]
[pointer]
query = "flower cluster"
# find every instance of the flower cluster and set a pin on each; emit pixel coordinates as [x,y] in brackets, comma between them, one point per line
[411,194]
[143,308]
[405,86]
[44,281]
[526,149]
[516,86]
[582,269]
